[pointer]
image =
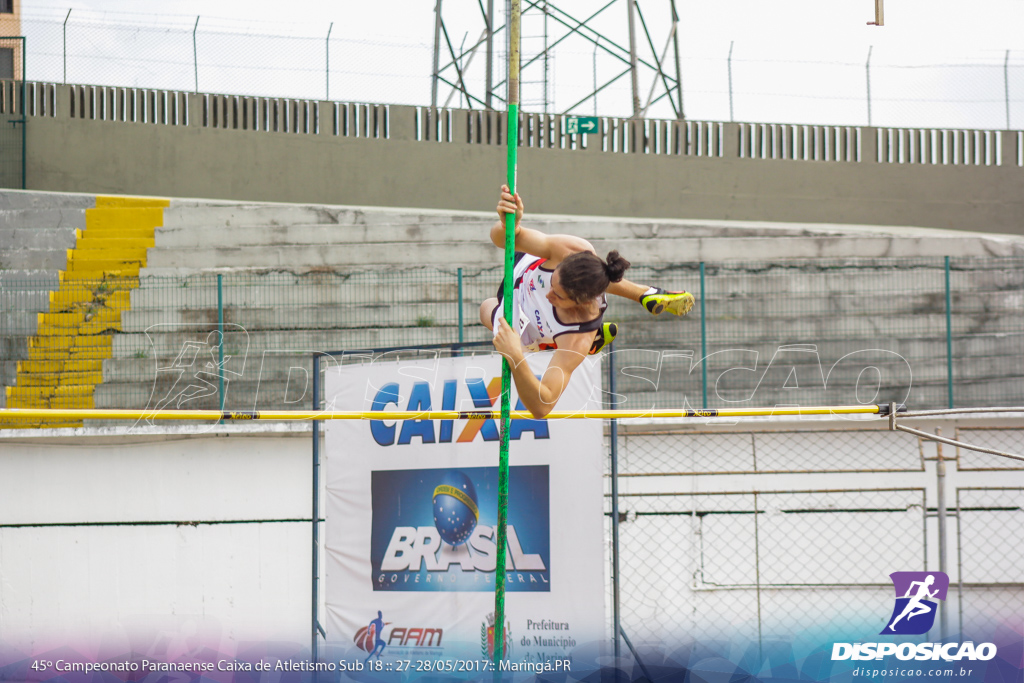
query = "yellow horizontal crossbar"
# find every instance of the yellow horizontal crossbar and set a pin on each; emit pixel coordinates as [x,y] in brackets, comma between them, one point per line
[305,415]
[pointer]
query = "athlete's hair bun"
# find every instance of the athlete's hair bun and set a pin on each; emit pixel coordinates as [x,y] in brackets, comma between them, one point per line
[585,276]
[615,267]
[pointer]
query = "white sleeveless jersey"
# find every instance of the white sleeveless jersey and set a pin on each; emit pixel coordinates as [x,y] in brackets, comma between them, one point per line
[538,324]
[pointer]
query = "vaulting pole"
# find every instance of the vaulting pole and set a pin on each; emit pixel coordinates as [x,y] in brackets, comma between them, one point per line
[512,136]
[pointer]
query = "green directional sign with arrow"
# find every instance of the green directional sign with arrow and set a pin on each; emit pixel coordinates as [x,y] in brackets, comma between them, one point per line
[581,124]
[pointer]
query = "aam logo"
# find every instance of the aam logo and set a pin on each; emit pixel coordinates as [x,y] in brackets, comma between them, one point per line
[368,640]
[421,399]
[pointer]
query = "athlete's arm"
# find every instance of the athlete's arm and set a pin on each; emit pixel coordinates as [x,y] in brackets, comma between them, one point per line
[540,396]
[552,247]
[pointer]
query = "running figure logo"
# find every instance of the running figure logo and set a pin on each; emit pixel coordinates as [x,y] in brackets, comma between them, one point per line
[916,606]
[376,631]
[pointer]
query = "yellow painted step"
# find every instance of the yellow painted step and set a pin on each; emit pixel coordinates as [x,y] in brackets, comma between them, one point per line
[60,391]
[54,402]
[100,326]
[60,320]
[74,353]
[107,243]
[22,402]
[97,327]
[121,300]
[67,297]
[19,423]
[139,232]
[69,323]
[103,314]
[100,271]
[64,301]
[32,366]
[99,285]
[105,265]
[95,261]
[122,219]
[116,254]
[52,379]
[114,304]
[117,278]
[73,401]
[113,201]
[71,341]
[128,267]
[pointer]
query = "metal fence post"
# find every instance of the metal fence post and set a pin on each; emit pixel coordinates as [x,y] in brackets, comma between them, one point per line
[949,338]
[460,307]
[703,341]
[731,42]
[616,616]
[867,68]
[940,487]
[66,46]
[220,350]
[195,53]
[314,649]
[327,54]
[1006,85]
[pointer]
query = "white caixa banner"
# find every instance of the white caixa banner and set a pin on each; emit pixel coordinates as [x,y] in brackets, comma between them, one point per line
[411,515]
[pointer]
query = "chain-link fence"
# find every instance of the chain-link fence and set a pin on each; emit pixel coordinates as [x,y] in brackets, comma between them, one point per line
[714,566]
[828,332]
[326,62]
[802,332]
[720,542]
[990,531]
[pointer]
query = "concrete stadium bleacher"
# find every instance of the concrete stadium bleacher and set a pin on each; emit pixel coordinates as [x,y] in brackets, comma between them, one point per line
[36,230]
[303,278]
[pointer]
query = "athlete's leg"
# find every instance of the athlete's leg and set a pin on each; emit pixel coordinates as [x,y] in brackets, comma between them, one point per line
[486,309]
[654,299]
[627,289]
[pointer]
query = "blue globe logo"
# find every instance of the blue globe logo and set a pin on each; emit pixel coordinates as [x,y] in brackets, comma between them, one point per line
[455,507]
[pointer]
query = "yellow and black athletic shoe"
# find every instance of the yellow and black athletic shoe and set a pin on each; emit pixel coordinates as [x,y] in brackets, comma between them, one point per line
[606,336]
[676,303]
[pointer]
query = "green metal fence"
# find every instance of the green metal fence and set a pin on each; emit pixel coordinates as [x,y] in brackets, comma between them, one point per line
[798,332]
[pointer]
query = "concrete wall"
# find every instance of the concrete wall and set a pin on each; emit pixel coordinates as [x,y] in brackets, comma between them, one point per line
[105,140]
[115,536]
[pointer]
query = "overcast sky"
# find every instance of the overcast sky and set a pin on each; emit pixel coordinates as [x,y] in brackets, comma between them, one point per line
[793,60]
[910,24]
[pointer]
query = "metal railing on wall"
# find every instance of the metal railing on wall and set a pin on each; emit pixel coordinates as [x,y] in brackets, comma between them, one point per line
[688,138]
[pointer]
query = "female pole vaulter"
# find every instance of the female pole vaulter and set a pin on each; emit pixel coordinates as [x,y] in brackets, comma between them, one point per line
[560,293]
